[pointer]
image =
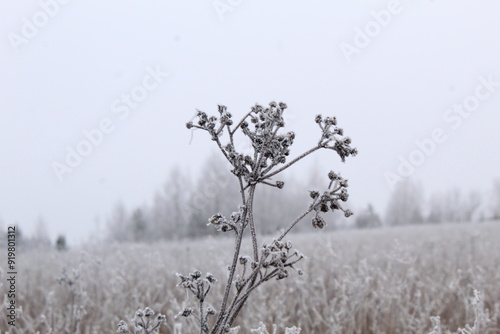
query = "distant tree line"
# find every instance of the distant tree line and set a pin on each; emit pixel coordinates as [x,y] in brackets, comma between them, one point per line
[181,208]
[38,241]
[407,205]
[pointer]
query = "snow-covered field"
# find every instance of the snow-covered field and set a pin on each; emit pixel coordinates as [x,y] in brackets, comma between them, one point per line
[389,280]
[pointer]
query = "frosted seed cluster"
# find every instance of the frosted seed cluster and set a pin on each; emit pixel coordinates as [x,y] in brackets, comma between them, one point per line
[269,155]
[144,322]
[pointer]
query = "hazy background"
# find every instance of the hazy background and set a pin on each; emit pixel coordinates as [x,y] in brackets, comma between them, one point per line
[65,79]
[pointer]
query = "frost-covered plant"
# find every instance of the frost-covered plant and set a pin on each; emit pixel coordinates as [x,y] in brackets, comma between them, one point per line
[262,126]
[144,322]
[263,330]
[482,320]
[199,287]
[76,306]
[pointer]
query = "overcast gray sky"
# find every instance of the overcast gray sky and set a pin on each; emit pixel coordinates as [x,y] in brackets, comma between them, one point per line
[394,73]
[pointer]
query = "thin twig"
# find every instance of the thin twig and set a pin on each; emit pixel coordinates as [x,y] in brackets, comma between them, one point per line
[279,170]
[311,208]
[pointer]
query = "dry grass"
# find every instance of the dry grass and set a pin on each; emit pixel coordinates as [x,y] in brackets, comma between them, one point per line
[375,281]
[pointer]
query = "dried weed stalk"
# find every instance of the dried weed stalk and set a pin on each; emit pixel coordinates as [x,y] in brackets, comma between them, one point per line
[262,126]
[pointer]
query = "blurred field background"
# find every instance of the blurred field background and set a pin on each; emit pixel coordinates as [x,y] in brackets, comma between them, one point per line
[386,280]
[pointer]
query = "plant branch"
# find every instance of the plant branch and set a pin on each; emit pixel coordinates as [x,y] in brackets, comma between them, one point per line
[237,247]
[240,303]
[299,218]
[251,194]
[241,122]
[279,170]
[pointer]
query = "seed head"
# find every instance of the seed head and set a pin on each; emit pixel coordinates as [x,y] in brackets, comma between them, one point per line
[195,274]
[318,222]
[187,312]
[282,274]
[222,108]
[210,278]
[314,194]
[323,207]
[148,312]
[217,219]
[333,176]
[343,195]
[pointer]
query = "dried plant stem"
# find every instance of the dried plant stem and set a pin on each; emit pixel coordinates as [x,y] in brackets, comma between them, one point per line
[271,149]
[203,326]
[303,155]
[236,254]
[292,224]
[241,302]
[239,124]
[221,321]
[251,194]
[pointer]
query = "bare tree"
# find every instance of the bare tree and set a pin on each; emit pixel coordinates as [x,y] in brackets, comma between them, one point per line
[437,207]
[368,218]
[119,224]
[215,191]
[61,243]
[139,224]
[404,206]
[454,206]
[471,203]
[496,199]
[41,237]
[171,211]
